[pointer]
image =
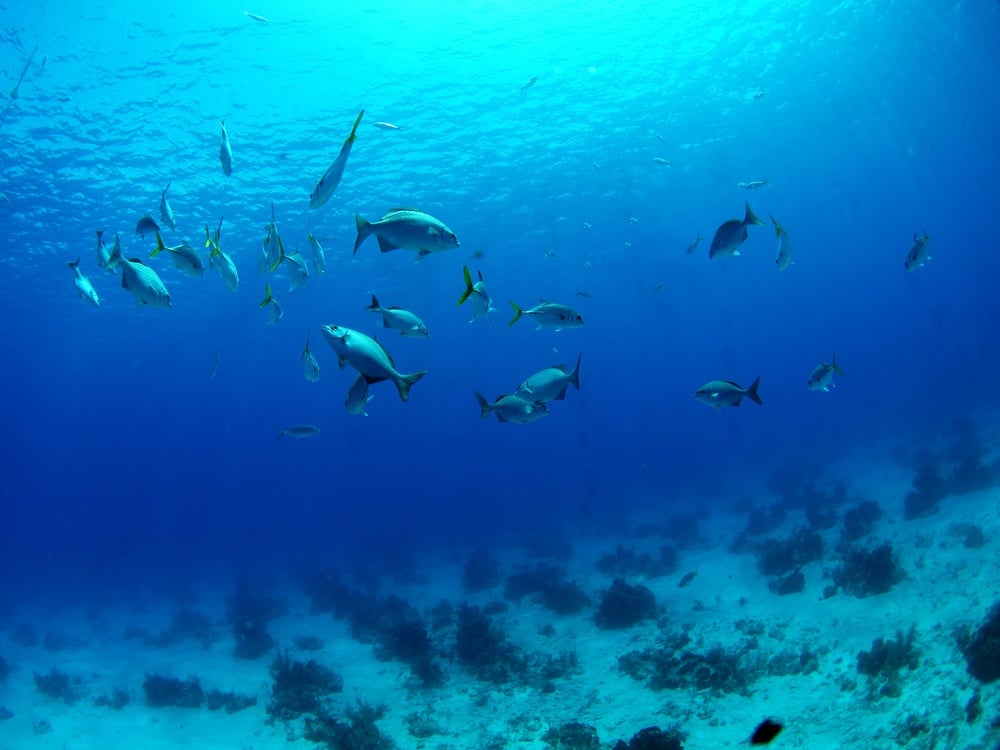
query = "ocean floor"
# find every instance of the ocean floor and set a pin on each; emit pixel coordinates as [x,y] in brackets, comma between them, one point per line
[503,648]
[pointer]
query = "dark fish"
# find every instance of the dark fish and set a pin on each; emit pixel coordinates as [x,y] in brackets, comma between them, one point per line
[766,731]
[687,579]
[146,225]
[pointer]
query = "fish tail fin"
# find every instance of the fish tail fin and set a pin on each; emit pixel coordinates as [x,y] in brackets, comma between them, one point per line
[354,131]
[363,231]
[752,393]
[160,247]
[468,285]
[116,254]
[74,263]
[575,380]
[518,312]
[485,407]
[166,188]
[267,297]
[751,217]
[777,227]
[281,255]
[374,306]
[100,235]
[836,367]
[406,382]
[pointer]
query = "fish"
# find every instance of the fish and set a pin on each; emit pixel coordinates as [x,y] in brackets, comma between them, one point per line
[386,125]
[225,151]
[298,431]
[529,83]
[319,257]
[400,320]
[766,731]
[274,311]
[407,229]
[298,271]
[255,17]
[215,366]
[511,408]
[687,579]
[103,254]
[310,367]
[753,184]
[15,92]
[583,293]
[83,285]
[331,177]
[145,225]
[551,383]
[821,378]
[272,248]
[220,260]
[482,303]
[141,280]
[661,160]
[548,315]
[786,255]
[918,253]
[694,245]
[731,234]
[185,257]
[166,212]
[719,393]
[369,358]
[358,397]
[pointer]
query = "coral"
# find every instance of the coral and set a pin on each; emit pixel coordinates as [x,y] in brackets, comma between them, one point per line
[684,531]
[794,583]
[820,516]
[860,520]
[359,732]
[308,643]
[623,605]
[248,612]
[326,593]
[442,615]
[571,736]
[626,561]
[764,521]
[868,572]
[787,662]
[421,725]
[299,687]
[654,738]
[483,649]
[409,642]
[231,702]
[480,571]
[187,624]
[670,667]
[59,686]
[554,592]
[170,691]
[886,659]
[251,638]
[981,648]
[777,557]
[928,489]
[972,536]
[116,700]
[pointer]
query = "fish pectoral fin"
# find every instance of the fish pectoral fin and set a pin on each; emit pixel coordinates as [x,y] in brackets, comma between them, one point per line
[370,379]
[421,254]
[386,246]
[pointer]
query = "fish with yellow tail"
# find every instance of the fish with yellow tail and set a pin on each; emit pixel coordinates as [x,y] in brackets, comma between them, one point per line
[185,257]
[310,367]
[331,178]
[482,303]
[274,311]
[821,378]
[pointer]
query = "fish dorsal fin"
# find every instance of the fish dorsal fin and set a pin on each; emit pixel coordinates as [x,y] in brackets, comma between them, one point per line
[400,210]
[136,260]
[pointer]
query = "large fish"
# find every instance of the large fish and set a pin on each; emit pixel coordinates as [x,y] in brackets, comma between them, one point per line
[550,384]
[548,315]
[298,431]
[140,280]
[731,234]
[719,393]
[482,303]
[369,358]
[185,257]
[166,212]
[331,178]
[83,285]
[918,253]
[512,408]
[225,151]
[821,378]
[407,229]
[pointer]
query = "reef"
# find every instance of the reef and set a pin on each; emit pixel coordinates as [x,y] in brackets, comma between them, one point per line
[59,686]
[868,572]
[171,691]
[116,700]
[186,625]
[793,583]
[654,738]
[981,647]
[778,557]
[483,649]
[299,687]
[308,643]
[248,611]
[685,531]
[480,572]
[929,488]
[765,520]
[231,702]
[548,585]
[972,536]
[357,732]
[860,521]
[625,561]
[408,641]
[885,660]
[572,735]
[622,606]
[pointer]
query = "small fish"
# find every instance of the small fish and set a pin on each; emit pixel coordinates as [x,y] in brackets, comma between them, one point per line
[658,137]
[400,320]
[758,94]
[688,579]
[753,184]
[786,255]
[103,254]
[274,312]
[272,249]
[166,212]
[918,253]
[255,17]
[694,245]
[319,257]
[548,315]
[549,254]
[731,234]
[215,366]
[141,280]
[660,160]
[551,383]
[220,260]
[584,294]
[331,178]
[225,151]
[408,229]
[386,125]
[83,285]
[586,225]
[145,225]
[632,220]
[482,303]
[298,271]
[358,397]
[821,378]
[529,83]
[369,358]
[477,255]
[310,367]
[15,92]
[766,731]
[298,431]
[658,288]
[719,393]
[185,258]
[512,408]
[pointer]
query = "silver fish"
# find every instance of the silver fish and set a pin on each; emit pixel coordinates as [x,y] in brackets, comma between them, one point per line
[145,225]
[482,303]
[550,384]
[310,367]
[548,315]
[731,234]
[220,260]
[369,358]
[272,248]
[786,255]
[184,256]
[918,253]
[752,185]
[166,212]
[821,378]
[298,271]
[319,257]
[83,285]
[103,254]
[225,151]
[140,280]
[720,393]
[400,320]
[358,397]
[408,229]
[694,245]
[274,311]
[298,431]
[331,178]
[512,408]
[386,126]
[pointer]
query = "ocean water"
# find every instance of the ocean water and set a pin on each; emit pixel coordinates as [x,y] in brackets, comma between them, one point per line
[140,453]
